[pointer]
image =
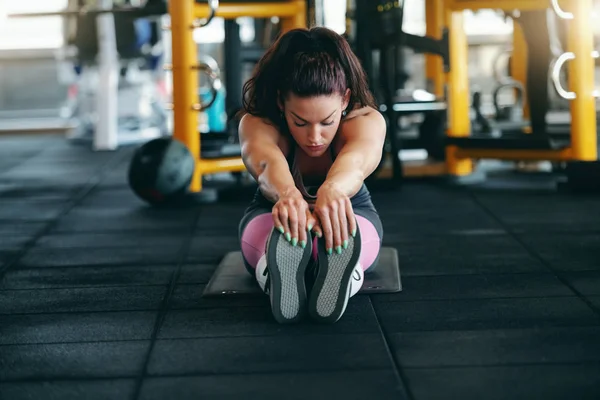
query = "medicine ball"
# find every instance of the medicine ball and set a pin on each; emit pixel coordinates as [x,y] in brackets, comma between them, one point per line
[161,170]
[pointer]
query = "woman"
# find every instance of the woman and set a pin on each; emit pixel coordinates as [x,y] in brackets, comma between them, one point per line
[310,135]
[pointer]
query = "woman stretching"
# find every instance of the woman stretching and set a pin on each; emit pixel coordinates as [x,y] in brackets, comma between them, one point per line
[310,135]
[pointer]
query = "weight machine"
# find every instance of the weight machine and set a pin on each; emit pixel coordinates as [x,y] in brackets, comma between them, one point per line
[108,37]
[577,146]
[524,133]
[374,27]
[184,18]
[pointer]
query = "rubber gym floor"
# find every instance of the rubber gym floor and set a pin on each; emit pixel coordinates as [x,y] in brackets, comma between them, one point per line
[100,295]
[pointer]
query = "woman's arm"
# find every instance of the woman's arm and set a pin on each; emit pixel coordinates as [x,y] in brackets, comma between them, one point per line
[264,159]
[363,137]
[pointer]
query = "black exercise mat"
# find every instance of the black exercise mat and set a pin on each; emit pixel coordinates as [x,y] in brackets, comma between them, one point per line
[232,278]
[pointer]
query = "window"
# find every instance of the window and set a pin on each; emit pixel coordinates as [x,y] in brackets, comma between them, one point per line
[31,33]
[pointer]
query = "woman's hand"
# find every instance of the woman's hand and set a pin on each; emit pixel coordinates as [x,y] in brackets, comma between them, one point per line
[335,217]
[291,215]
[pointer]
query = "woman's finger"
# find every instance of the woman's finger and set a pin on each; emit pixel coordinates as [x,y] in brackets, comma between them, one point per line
[284,218]
[336,210]
[303,223]
[293,218]
[343,224]
[352,223]
[326,229]
[277,223]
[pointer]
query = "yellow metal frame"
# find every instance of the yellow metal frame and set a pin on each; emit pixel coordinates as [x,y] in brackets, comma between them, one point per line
[581,73]
[183,14]
[508,5]
[434,65]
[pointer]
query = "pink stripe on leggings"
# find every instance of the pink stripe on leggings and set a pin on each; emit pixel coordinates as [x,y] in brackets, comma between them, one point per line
[256,233]
[254,238]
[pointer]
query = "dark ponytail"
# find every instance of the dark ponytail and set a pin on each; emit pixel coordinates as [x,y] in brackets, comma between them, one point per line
[306,63]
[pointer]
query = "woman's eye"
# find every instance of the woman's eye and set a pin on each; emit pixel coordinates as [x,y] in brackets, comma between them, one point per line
[299,124]
[328,123]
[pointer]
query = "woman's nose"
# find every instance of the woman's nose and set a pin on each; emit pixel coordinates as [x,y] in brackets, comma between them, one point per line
[314,135]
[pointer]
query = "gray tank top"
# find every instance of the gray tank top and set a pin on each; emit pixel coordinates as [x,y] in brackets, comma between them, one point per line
[309,192]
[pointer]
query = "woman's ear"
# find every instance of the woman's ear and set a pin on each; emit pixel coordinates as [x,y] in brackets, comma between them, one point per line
[346,99]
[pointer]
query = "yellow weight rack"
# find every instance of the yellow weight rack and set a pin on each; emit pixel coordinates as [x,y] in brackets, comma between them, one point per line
[580,51]
[184,14]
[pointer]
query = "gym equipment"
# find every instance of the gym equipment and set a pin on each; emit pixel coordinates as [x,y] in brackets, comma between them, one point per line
[237,55]
[109,35]
[507,118]
[378,26]
[161,171]
[185,78]
[580,145]
[231,277]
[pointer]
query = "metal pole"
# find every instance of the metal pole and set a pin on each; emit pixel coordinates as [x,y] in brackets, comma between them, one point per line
[185,81]
[105,135]
[581,80]
[458,88]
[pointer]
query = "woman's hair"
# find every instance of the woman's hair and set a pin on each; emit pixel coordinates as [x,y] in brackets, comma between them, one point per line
[305,62]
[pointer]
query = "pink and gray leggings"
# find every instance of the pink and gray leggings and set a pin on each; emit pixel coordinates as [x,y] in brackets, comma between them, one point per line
[257,224]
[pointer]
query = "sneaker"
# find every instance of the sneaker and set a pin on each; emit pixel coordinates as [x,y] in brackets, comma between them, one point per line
[337,279]
[284,280]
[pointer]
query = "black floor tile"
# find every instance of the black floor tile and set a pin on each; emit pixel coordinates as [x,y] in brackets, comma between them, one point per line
[547,382]
[461,254]
[57,175]
[568,251]
[97,219]
[81,299]
[49,278]
[45,192]
[546,345]
[189,296]
[485,314]
[211,249]
[19,210]
[347,385]
[258,321]
[422,197]
[73,360]
[12,243]
[5,259]
[133,213]
[121,389]
[71,327]
[106,198]
[450,287]
[425,222]
[595,300]
[544,212]
[269,354]
[196,273]
[220,215]
[587,283]
[114,239]
[21,228]
[82,257]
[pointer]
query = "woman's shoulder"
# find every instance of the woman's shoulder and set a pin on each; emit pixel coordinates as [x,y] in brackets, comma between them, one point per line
[256,125]
[356,121]
[362,112]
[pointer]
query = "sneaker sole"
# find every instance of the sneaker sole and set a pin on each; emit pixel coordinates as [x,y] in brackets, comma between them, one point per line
[331,291]
[287,266]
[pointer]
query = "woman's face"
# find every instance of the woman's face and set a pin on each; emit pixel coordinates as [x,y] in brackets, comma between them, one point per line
[314,121]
